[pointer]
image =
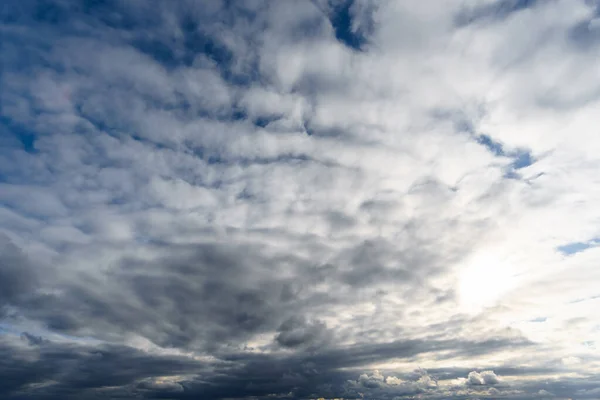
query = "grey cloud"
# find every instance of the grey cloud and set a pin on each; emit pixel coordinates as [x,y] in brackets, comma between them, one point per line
[371,381]
[54,370]
[176,301]
[191,296]
[33,339]
[85,371]
[164,388]
[296,331]
[18,276]
[316,375]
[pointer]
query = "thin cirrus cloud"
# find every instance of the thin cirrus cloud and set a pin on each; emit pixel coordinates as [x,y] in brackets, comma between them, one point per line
[326,199]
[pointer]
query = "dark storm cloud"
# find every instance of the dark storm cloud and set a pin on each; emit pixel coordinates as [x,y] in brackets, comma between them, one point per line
[46,369]
[216,294]
[50,370]
[203,297]
[307,375]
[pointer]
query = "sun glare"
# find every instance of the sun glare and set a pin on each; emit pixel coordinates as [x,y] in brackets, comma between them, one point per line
[483,281]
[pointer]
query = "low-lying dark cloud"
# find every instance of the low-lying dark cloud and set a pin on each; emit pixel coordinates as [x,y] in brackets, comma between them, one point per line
[41,368]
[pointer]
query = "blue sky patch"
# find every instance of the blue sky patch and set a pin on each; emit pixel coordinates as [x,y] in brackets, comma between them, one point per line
[578,247]
[24,136]
[538,319]
[521,158]
[341,20]
[263,121]
[493,146]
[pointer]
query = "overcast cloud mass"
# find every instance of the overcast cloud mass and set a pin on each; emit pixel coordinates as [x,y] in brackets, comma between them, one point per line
[368,199]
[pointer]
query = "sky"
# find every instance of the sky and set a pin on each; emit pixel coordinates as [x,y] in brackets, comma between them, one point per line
[290,199]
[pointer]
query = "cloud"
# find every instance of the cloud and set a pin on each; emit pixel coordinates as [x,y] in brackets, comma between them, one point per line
[32,339]
[271,199]
[482,378]
[391,386]
[296,332]
[18,276]
[371,381]
[56,370]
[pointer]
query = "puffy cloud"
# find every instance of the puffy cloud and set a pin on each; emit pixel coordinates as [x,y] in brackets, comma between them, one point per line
[373,381]
[394,381]
[482,378]
[389,386]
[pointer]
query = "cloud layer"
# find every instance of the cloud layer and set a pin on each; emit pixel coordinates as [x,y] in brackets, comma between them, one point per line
[299,200]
